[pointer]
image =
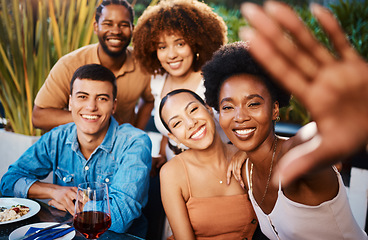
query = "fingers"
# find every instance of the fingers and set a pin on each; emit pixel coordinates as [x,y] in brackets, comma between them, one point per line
[68,207]
[275,63]
[237,172]
[287,19]
[228,174]
[271,28]
[333,29]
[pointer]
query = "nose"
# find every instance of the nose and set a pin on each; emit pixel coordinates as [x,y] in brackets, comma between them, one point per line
[241,115]
[190,122]
[172,53]
[91,105]
[115,29]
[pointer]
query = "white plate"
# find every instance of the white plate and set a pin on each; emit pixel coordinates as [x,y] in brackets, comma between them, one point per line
[20,232]
[34,207]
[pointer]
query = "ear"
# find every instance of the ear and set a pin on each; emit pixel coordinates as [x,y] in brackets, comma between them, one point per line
[114,106]
[275,111]
[173,138]
[95,27]
[70,107]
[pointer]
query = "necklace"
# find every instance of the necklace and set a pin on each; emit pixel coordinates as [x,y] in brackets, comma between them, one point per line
[269,175]
[219,179]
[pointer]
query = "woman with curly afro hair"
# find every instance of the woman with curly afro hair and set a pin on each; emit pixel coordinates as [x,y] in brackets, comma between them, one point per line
[172,40]
[313,207]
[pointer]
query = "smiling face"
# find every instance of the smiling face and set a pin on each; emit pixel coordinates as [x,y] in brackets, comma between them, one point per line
[92,104]
[175,55]
[114,29]
[190,122]
[246,111]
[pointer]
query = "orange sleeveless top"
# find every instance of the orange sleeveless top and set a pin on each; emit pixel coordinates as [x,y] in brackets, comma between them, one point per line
[223,217]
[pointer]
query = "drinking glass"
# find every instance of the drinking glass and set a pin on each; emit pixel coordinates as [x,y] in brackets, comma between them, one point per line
[92,210]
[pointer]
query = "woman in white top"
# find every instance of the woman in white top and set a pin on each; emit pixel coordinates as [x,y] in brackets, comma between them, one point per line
[172,40]
[313,207]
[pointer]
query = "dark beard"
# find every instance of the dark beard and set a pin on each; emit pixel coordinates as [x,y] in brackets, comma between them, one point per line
[113,54]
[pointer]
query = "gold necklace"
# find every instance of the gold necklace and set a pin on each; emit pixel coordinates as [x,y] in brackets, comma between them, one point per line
[269,175]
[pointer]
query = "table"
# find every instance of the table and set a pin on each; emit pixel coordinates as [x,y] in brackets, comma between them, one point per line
[51,214]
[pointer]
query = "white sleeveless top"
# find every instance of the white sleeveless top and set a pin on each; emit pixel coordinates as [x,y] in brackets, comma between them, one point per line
[157,84]
[289,220]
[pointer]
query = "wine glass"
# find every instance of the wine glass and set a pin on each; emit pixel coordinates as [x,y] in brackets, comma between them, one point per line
[92,210]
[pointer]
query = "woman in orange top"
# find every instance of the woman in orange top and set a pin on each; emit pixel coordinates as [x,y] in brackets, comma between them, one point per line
[198,202]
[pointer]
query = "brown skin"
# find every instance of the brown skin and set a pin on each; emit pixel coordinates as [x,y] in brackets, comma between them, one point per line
[114,24]
[247,113]
[333,89]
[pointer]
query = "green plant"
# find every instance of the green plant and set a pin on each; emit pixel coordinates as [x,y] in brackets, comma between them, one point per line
[33,35]
[233,20]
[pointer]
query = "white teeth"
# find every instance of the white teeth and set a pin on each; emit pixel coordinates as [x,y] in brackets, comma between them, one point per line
[114,40]
[197,134]
[90,117]
[244,131]
[174,64]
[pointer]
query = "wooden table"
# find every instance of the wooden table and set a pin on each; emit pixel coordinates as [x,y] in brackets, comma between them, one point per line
[50,214]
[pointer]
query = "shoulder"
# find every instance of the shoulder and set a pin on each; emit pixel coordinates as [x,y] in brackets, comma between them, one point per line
[59,134]
[80,53]
[172,169]
[76,58]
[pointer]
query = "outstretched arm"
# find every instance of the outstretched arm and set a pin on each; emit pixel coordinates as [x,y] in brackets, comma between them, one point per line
[333,89]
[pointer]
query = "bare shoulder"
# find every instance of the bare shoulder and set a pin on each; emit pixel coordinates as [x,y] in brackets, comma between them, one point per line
[171,167]
[173,178]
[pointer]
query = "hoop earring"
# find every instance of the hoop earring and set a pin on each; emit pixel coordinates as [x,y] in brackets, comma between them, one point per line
[278,119]
[197,56]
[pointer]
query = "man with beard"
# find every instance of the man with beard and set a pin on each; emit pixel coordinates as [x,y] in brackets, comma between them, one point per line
[113,26]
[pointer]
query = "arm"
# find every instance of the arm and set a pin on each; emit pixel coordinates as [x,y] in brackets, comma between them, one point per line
[144,114]
[161,159]
[51,102]
[334,90]
[173,201]
[128,190]
[48,118]
[61,197]
[22,178]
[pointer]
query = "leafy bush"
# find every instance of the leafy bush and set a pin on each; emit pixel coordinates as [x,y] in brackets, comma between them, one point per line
[33,35]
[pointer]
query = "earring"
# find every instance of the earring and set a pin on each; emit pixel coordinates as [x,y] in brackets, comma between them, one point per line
[278,119]
[197,56]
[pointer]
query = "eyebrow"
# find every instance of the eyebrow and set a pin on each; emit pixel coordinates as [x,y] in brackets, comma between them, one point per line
[251,96]
[186,107]
[176,40]
[98,95]
[109,20]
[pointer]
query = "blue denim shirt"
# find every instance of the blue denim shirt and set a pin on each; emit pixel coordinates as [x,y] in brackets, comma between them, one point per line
[123,161]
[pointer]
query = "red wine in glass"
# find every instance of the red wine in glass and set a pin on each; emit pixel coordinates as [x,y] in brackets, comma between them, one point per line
[92,224]
[92,210]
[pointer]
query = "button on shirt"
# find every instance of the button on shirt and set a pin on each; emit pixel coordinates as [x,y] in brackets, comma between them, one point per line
[123,161]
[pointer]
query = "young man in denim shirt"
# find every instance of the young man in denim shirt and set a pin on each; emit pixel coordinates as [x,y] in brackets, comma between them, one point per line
[92,148]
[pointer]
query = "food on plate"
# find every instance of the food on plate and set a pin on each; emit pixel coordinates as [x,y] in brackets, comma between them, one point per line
[8,214]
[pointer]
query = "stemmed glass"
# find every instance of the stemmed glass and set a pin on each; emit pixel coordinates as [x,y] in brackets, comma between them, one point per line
[92,210]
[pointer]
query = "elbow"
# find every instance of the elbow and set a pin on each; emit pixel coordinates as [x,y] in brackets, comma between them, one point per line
[37,120]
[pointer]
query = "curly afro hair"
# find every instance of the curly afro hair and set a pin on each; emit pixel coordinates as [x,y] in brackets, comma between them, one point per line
[202,29]
[234,59]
